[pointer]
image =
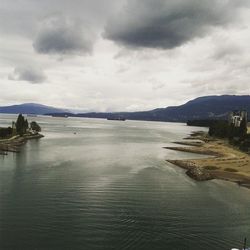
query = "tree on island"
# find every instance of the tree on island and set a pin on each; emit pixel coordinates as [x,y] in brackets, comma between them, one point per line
[35,127]
[21,125]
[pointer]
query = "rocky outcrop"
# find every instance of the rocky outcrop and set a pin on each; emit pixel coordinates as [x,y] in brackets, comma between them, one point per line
[193,171]
[199,174]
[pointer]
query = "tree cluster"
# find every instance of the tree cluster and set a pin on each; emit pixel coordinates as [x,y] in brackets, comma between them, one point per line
[34,126]
[223,129]
[219,129]
[22,125]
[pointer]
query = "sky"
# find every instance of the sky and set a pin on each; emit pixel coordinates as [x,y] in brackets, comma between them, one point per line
[122,55]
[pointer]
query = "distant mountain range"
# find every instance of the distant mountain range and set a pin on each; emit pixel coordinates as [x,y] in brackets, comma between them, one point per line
[207,107]
[30,108]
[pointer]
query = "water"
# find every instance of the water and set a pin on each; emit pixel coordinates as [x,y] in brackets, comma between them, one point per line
[109,187]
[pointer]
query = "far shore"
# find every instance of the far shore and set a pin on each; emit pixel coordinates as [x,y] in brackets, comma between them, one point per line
[14,143]
[224,161]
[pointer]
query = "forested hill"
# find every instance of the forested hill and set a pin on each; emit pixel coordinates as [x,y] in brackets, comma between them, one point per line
[207,107]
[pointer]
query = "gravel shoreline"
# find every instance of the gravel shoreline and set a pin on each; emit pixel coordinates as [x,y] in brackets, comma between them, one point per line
[225,162]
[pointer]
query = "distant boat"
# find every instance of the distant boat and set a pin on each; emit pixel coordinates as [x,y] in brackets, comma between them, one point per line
[60,115]
[116,119]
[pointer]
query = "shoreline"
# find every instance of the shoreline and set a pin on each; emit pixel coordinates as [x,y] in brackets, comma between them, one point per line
[15,143]
[223,161]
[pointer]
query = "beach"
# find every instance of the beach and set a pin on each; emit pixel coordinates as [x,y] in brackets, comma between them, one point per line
[223,160]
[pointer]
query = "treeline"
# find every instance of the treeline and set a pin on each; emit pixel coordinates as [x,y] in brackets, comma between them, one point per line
[201,123]
[20,127]
[237,136]
[223,129]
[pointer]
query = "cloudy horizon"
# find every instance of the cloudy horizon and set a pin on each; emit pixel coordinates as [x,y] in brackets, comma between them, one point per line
[123,55]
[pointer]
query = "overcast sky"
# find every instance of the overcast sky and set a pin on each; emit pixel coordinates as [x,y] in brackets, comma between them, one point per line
[122,55]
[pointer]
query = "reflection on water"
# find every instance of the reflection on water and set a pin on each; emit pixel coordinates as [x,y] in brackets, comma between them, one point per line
[109,187]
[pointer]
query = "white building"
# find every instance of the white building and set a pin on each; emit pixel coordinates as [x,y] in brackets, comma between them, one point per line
[236,117]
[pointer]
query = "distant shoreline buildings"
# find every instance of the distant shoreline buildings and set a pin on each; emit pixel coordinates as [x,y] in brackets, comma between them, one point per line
[237,118]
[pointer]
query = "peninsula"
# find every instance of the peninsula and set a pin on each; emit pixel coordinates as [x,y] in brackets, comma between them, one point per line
[12,138]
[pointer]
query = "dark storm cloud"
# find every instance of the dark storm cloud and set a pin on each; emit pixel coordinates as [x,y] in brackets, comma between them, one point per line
[61,35]
[169,24]
[29,74]
[20,16]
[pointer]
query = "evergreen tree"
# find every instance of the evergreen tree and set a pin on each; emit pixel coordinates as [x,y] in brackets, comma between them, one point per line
[26,125]
[21,125]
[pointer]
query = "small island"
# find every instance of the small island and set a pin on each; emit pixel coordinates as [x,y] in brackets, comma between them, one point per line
[12,138]
[227,145]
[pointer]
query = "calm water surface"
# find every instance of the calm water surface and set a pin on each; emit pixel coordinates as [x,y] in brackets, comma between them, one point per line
[109,187]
